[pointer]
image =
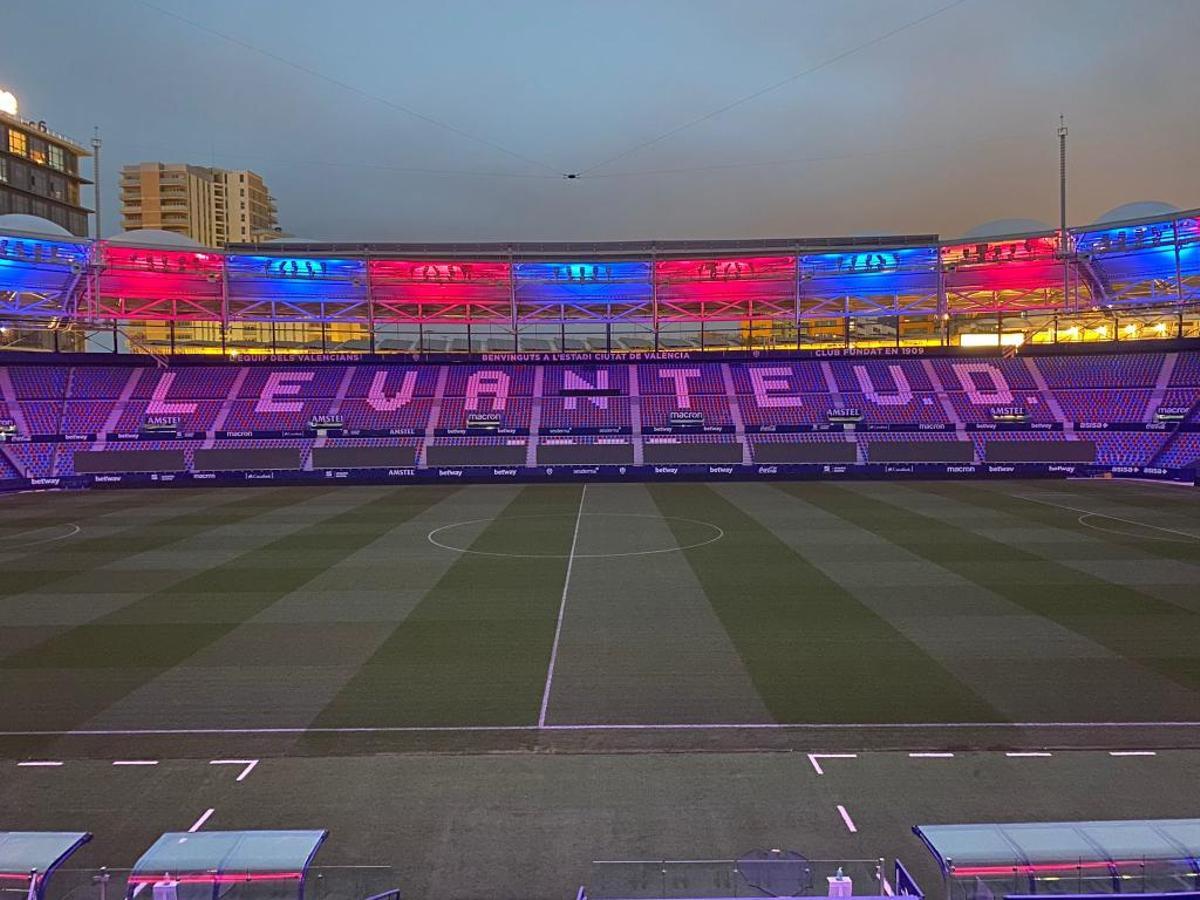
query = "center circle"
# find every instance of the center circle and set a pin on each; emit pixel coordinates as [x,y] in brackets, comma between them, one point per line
[633,534]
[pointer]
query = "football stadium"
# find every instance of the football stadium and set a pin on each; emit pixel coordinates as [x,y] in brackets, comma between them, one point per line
[701,569]
[564,601]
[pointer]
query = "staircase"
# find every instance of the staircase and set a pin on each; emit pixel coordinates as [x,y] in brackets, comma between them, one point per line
[1160,387]
[735,412]
[226,407]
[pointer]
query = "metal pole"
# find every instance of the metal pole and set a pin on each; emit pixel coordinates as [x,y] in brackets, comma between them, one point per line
[1178,272]
[1062,207]
[942,316]
[796,298]
[512,300]
[96,178]
[654,295]
[370,293]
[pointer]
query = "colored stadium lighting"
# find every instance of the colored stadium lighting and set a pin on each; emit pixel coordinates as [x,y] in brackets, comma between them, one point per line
[215,878]
[1039,868]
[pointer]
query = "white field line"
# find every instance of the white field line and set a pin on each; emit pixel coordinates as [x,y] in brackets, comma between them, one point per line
[1101,515]
[40,763]
[931,756]
[850,826]
[5,548]
[815,759]
[598,727]
[135,762]
[1132,753]
[248,765]
[562,608]
[199,823]
[1024,753]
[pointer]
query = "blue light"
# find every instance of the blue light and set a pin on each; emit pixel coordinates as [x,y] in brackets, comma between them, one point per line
[28,264]
[883,271]
[295,267]
[583,282]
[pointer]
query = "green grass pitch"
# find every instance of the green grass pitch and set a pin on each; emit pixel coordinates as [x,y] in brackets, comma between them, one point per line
[670,604]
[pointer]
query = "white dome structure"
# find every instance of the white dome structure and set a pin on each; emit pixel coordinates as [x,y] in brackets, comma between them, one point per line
[1142,209]
[154,237]
[25,224]
[1007,228]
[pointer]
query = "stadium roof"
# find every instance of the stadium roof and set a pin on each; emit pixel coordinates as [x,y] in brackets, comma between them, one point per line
[553,249]
[1142,209]
[26,224]
[993,849]
[154,237]
[1008,227]
[215,856]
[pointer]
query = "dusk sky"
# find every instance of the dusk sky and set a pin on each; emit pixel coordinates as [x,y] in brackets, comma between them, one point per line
[454,120]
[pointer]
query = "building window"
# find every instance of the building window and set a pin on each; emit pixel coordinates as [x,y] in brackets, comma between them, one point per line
[56,158]
[18,143]
[37,151]
[3,169]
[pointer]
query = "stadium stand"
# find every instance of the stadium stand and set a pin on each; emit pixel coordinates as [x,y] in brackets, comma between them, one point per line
[771,412]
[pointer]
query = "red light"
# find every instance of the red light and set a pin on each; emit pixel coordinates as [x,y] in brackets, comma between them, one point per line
[1037,868]
[217,878]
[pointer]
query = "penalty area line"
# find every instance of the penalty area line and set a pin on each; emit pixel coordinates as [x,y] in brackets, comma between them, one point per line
[562,608]
[815,758]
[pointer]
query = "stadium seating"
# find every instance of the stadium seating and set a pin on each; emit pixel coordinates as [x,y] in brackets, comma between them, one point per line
[1183,452]
[1104,405]
[1126,448]
[569,403]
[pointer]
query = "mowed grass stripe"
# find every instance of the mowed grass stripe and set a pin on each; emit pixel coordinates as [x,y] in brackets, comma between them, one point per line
[474,650]
[1172,499]
[1115,538]
[813,650]
[1141,522]
[1140,628]
[140,641]
[56,508]
[55,562]
[137,635]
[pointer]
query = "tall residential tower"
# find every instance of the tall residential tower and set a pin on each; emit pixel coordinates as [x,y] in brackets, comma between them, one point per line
[209,205]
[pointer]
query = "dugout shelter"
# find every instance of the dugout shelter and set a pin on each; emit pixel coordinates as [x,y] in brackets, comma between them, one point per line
[1146,858]
[248,865]
[29,858]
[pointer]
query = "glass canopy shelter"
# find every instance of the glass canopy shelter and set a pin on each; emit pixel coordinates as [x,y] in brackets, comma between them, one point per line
[29,858]
[247,865]
[1142,856]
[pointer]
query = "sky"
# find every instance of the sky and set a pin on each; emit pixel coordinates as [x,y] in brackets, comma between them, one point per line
[456,120]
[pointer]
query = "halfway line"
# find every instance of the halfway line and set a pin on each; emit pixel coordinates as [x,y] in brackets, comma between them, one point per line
[562,608]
